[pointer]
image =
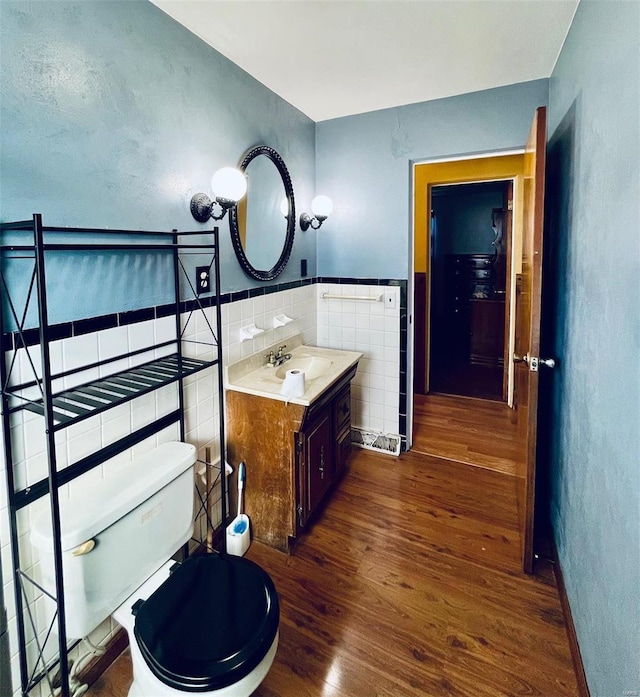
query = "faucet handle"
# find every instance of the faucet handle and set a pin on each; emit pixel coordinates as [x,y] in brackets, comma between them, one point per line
[271,357]
[282,348]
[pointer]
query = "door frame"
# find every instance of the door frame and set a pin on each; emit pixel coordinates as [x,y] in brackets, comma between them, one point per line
[487,166]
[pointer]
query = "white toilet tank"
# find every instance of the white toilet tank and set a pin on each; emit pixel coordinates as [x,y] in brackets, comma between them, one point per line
[118,533]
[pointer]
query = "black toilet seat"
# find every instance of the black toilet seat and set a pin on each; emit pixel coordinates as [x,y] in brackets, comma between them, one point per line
[209,624]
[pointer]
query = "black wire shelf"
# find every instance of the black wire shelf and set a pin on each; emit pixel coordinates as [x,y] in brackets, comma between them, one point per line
[58,410]
[81,402]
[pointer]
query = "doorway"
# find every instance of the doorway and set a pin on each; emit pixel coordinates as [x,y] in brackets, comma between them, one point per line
[428,177]
[451,420]
[523,299]
[468,319]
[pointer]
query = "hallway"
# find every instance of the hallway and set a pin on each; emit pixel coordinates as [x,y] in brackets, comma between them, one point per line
[467,380]
[473,431]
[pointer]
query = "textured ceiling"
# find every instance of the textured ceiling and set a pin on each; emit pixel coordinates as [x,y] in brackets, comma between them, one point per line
[331,58]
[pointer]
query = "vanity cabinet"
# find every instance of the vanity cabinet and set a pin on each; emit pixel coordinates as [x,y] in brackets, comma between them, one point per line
[324,447]
[294,456]
[315,465]
[342,425]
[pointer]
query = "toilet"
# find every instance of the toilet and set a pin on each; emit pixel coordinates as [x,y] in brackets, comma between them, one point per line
[208,624]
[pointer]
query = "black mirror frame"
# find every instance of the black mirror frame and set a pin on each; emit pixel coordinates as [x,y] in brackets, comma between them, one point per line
[279,266]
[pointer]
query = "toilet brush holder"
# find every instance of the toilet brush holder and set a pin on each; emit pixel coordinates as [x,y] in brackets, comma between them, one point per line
[238,531]
[238,535]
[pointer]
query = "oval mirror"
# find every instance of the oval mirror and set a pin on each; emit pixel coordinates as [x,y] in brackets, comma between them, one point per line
[263,223]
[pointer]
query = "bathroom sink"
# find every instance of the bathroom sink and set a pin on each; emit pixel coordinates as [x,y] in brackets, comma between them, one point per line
[313,367]
[322,367]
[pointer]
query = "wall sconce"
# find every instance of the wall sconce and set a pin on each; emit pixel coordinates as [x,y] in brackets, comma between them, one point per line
[229,185]
[321,207]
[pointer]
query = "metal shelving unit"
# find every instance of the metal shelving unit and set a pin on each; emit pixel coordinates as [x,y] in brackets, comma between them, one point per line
[63,408]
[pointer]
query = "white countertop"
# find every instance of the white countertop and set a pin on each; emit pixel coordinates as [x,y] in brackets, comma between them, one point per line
[253,376]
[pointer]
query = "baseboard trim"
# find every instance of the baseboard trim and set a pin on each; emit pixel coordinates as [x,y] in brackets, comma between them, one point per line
[99,665]
[574,647]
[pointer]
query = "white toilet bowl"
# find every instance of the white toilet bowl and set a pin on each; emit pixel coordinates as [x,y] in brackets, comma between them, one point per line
[149,677]
[208,625]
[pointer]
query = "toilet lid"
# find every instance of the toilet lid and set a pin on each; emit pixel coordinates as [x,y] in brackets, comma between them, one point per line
[209,624]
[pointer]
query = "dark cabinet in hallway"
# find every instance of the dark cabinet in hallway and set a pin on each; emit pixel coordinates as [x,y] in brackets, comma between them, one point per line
[486,332]
[472,321]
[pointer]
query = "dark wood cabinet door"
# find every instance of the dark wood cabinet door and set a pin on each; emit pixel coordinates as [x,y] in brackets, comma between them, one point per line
[487,331]
[343,450]
[342,409]
[318,460]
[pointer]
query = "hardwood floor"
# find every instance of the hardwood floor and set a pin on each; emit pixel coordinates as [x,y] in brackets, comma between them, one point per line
[475,431]
[409,585]
[467,380]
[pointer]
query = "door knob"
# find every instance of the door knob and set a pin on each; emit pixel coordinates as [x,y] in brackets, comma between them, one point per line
[534,362]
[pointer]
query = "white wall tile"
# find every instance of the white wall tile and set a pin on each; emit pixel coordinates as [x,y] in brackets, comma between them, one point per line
[235,312]
[165,329]
[80,350]
[392,354]
[373,329]
[377,382]
[376,338]
[141,335]
[258,305]
[348,336]
[246,309]
[376,411]
[376,424]
[362,321]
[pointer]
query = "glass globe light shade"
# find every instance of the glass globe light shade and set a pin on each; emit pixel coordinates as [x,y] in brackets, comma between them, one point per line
[321,206]
[229,183]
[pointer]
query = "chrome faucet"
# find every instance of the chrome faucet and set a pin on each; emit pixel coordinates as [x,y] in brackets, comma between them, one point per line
[280,357]
[271,358]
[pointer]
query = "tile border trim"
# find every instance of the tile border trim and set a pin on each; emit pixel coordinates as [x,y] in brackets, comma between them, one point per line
[66,330]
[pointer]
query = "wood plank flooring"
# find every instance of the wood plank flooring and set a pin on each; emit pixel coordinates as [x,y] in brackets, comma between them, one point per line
[409,585]
[475,431]
[466,379]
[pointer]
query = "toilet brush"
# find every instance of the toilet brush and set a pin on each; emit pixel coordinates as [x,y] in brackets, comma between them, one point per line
[238,533]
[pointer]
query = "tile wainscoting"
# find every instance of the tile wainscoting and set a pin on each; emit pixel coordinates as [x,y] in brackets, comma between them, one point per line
[373,328]
[377,329]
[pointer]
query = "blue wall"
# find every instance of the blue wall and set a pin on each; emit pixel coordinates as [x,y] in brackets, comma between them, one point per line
[594,282]
[464,220]
[364,165]
[113,115]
